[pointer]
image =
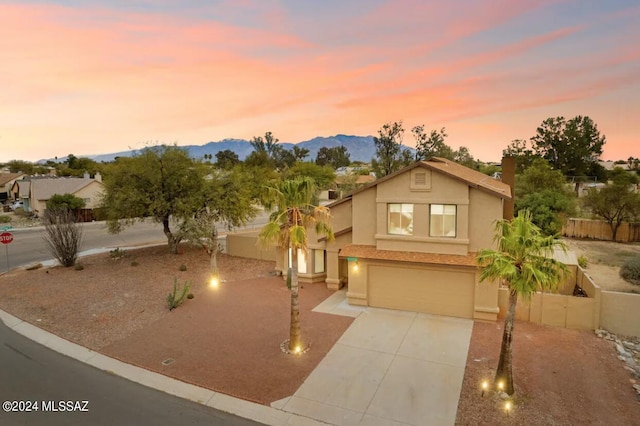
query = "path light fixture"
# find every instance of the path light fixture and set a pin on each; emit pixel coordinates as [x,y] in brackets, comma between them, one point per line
[214,282]
[508,406]
[485,386]
[500,385]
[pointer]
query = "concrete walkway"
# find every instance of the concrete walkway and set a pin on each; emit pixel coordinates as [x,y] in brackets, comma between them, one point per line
[388,368]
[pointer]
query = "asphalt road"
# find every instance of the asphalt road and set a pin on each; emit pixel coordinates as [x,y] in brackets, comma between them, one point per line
[28,245]
[29,373]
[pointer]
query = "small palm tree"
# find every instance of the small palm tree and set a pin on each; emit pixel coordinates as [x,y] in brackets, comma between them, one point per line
[525,264]
[294,213]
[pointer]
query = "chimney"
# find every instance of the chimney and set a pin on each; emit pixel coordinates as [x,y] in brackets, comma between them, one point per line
[509,177]
[98,177]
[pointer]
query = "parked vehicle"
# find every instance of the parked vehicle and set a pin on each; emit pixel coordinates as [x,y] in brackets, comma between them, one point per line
[16,204]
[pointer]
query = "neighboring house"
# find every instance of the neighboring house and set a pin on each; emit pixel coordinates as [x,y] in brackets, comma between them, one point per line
[35,192]
[409,241]
[6,182]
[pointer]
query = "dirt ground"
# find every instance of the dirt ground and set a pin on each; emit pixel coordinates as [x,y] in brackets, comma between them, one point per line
[604,261]
[228,340]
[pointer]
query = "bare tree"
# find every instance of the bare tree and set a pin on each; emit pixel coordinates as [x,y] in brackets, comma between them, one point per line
[63,235]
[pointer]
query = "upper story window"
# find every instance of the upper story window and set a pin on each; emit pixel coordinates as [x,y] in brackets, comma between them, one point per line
[400,219]
[442,220]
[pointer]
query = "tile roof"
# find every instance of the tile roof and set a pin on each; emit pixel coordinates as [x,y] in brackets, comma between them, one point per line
[43,189]
[8,177]
[370,252]
[471,177]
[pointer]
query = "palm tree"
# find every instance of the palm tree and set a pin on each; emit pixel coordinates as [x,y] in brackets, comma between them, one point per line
[293,213]
[525,264]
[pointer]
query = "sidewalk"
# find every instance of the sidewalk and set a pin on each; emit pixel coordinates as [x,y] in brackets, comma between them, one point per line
[388,368]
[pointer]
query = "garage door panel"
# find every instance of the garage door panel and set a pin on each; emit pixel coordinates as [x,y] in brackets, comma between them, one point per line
[423,290]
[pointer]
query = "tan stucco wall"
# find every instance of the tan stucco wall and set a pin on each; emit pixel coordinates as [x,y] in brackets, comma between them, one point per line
[364,217]
[484,210]
[93,192]
[476,214]
[245,245]
[620,313]
[341,216]
[558,309]
[357,293]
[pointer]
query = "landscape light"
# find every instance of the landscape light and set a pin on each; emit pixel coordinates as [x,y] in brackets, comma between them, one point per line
[214,282]
[485,386]
[507,407]
[501,385]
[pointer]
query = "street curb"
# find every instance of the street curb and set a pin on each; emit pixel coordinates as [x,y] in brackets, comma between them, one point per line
[246,409]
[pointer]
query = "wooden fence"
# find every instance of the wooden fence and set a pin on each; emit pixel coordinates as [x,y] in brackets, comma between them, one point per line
[600,230]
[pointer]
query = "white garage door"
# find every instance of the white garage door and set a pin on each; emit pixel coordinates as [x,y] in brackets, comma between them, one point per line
[433,291]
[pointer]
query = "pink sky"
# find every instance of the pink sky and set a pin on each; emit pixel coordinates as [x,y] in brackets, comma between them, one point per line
[93,77]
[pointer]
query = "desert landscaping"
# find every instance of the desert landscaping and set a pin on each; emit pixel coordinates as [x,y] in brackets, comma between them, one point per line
[116,305]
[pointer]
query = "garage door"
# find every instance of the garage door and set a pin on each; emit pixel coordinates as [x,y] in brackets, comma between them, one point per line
[432,291]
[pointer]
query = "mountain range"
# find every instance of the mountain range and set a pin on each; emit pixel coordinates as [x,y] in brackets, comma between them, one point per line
[360,148]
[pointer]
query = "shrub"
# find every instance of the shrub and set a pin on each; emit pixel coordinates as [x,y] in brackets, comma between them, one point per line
[134,263]
[78,267]
[21,212]
[5,219]
[190,296]
[630,270]
[63,236]
[117,253]
[583,261]
[183,267]
[175,298]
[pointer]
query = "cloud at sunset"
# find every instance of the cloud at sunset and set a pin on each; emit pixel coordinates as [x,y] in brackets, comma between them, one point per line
[95,77]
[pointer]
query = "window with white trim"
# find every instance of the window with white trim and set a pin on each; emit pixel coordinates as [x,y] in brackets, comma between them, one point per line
[400,219]
[442,220]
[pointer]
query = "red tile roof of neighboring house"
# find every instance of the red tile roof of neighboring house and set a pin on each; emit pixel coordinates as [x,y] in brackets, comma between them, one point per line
[370,252]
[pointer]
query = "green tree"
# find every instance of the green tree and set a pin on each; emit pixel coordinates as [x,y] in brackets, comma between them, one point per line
[388,145]
[283,158]
[293,213]
[323,176]
[524,155]
[463,156]
[569,145]
[226,159]
[336,157]
[428,144]
[19,166]
[300,153]
[544,193]
[617,202]
[267,144]
[226,201]
[523,261]
[65,202]
[161,182]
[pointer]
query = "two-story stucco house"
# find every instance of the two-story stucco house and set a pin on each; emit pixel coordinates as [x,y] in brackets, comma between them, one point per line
[409,241]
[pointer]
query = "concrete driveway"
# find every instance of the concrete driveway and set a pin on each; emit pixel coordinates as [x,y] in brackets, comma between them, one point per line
[389,368]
